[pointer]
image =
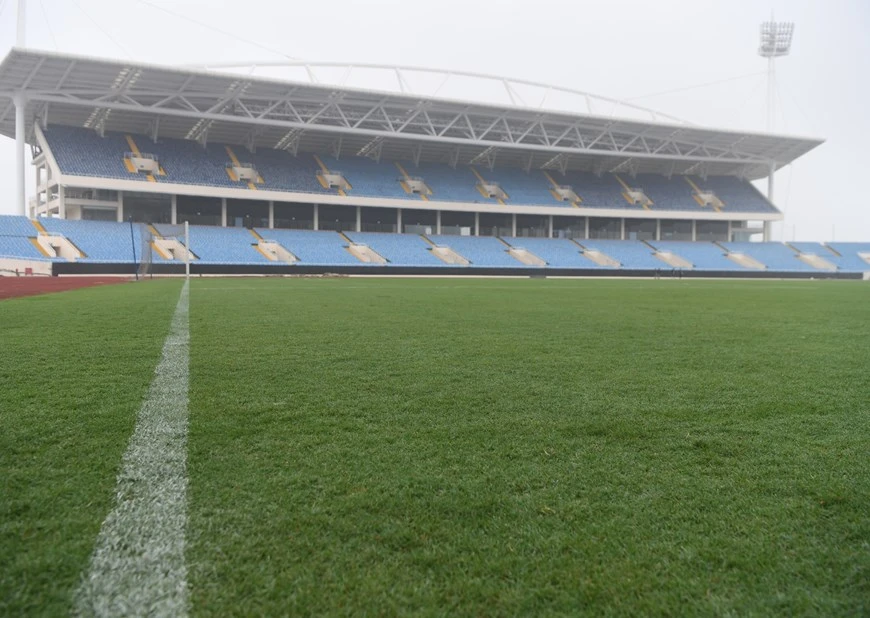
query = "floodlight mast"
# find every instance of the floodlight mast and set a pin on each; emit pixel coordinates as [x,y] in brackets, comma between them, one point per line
[775,41]
[20,106]
[776,37]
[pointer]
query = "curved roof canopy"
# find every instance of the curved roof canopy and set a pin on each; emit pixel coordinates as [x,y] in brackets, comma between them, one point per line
[257,112]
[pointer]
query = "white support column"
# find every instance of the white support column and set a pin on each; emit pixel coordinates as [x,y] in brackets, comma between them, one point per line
[438,222]
[477,224]
[223,212]
[271,215]
[120,206]
[622,229]
[173,209]
[658,229]
[359,218]
[20,106]
[514,225]
[61,201]
[771,172]
[586,236]
[316,217]
[729,231]
[40,198]
[398,220]
[694,230]
[550,227]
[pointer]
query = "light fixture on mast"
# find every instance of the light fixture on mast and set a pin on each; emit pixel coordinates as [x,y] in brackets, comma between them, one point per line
[775,41]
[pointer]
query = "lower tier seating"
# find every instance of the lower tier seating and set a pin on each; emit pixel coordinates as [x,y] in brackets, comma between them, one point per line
[110,242]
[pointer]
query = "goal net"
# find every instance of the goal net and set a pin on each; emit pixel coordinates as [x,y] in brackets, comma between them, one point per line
[159,244]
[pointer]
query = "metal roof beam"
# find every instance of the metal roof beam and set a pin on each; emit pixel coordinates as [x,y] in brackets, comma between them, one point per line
[310,123]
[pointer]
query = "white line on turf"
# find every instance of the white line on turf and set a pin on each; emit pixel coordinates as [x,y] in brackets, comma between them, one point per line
[138,567]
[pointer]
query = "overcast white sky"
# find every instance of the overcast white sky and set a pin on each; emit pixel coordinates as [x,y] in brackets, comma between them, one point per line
[618,48]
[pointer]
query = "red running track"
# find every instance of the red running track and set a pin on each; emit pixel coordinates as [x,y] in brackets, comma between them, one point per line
[14,287]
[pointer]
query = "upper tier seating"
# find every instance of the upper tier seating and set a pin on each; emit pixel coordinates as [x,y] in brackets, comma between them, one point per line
[595,191]
[672,193]
[631,254]
[368,177]
[737,195]
[775,256]
[81,151]
[702,255]
[398,249]
[281,171]
[321,248]
[101,241]
[479,250]
[449,184]
[522,188]
[556,252]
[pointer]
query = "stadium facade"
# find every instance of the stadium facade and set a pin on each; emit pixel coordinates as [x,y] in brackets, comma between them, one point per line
[281,160]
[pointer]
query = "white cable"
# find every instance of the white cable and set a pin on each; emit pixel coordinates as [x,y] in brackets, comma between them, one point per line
[218,30]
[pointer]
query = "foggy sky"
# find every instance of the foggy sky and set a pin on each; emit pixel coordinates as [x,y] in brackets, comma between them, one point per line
[618,48]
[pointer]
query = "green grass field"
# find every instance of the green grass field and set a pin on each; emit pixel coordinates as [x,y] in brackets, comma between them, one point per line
[452,446]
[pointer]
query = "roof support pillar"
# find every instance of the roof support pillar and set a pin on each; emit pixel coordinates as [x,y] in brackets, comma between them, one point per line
[770,173]
[20,193]
[768,226]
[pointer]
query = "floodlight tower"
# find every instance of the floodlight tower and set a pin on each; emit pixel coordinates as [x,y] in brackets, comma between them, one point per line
[775,41]
[20,106]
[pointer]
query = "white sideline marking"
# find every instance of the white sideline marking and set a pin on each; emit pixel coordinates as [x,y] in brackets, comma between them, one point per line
[138,567]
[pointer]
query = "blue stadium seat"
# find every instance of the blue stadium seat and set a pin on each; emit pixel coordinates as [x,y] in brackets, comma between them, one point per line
[398,249]
[101,241]
[532,188]
[448,184]
[631,254]
[738,195]
[557,252]
[479,250]
[849,260]
[320,248]
[369,178]
[774,255]
[14,225]
[702,255]
[217,245]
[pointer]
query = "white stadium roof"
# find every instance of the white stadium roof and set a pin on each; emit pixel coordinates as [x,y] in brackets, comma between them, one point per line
[112,95]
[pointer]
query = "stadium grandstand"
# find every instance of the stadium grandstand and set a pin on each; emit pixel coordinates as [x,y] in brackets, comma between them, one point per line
[277,176]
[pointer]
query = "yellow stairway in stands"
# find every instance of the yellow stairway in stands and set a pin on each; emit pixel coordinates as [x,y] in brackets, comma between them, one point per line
[696,196]
[480,188]
[626,193]
[322,180]
[558,197]
[404,182]
[136,152]
[232,174]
